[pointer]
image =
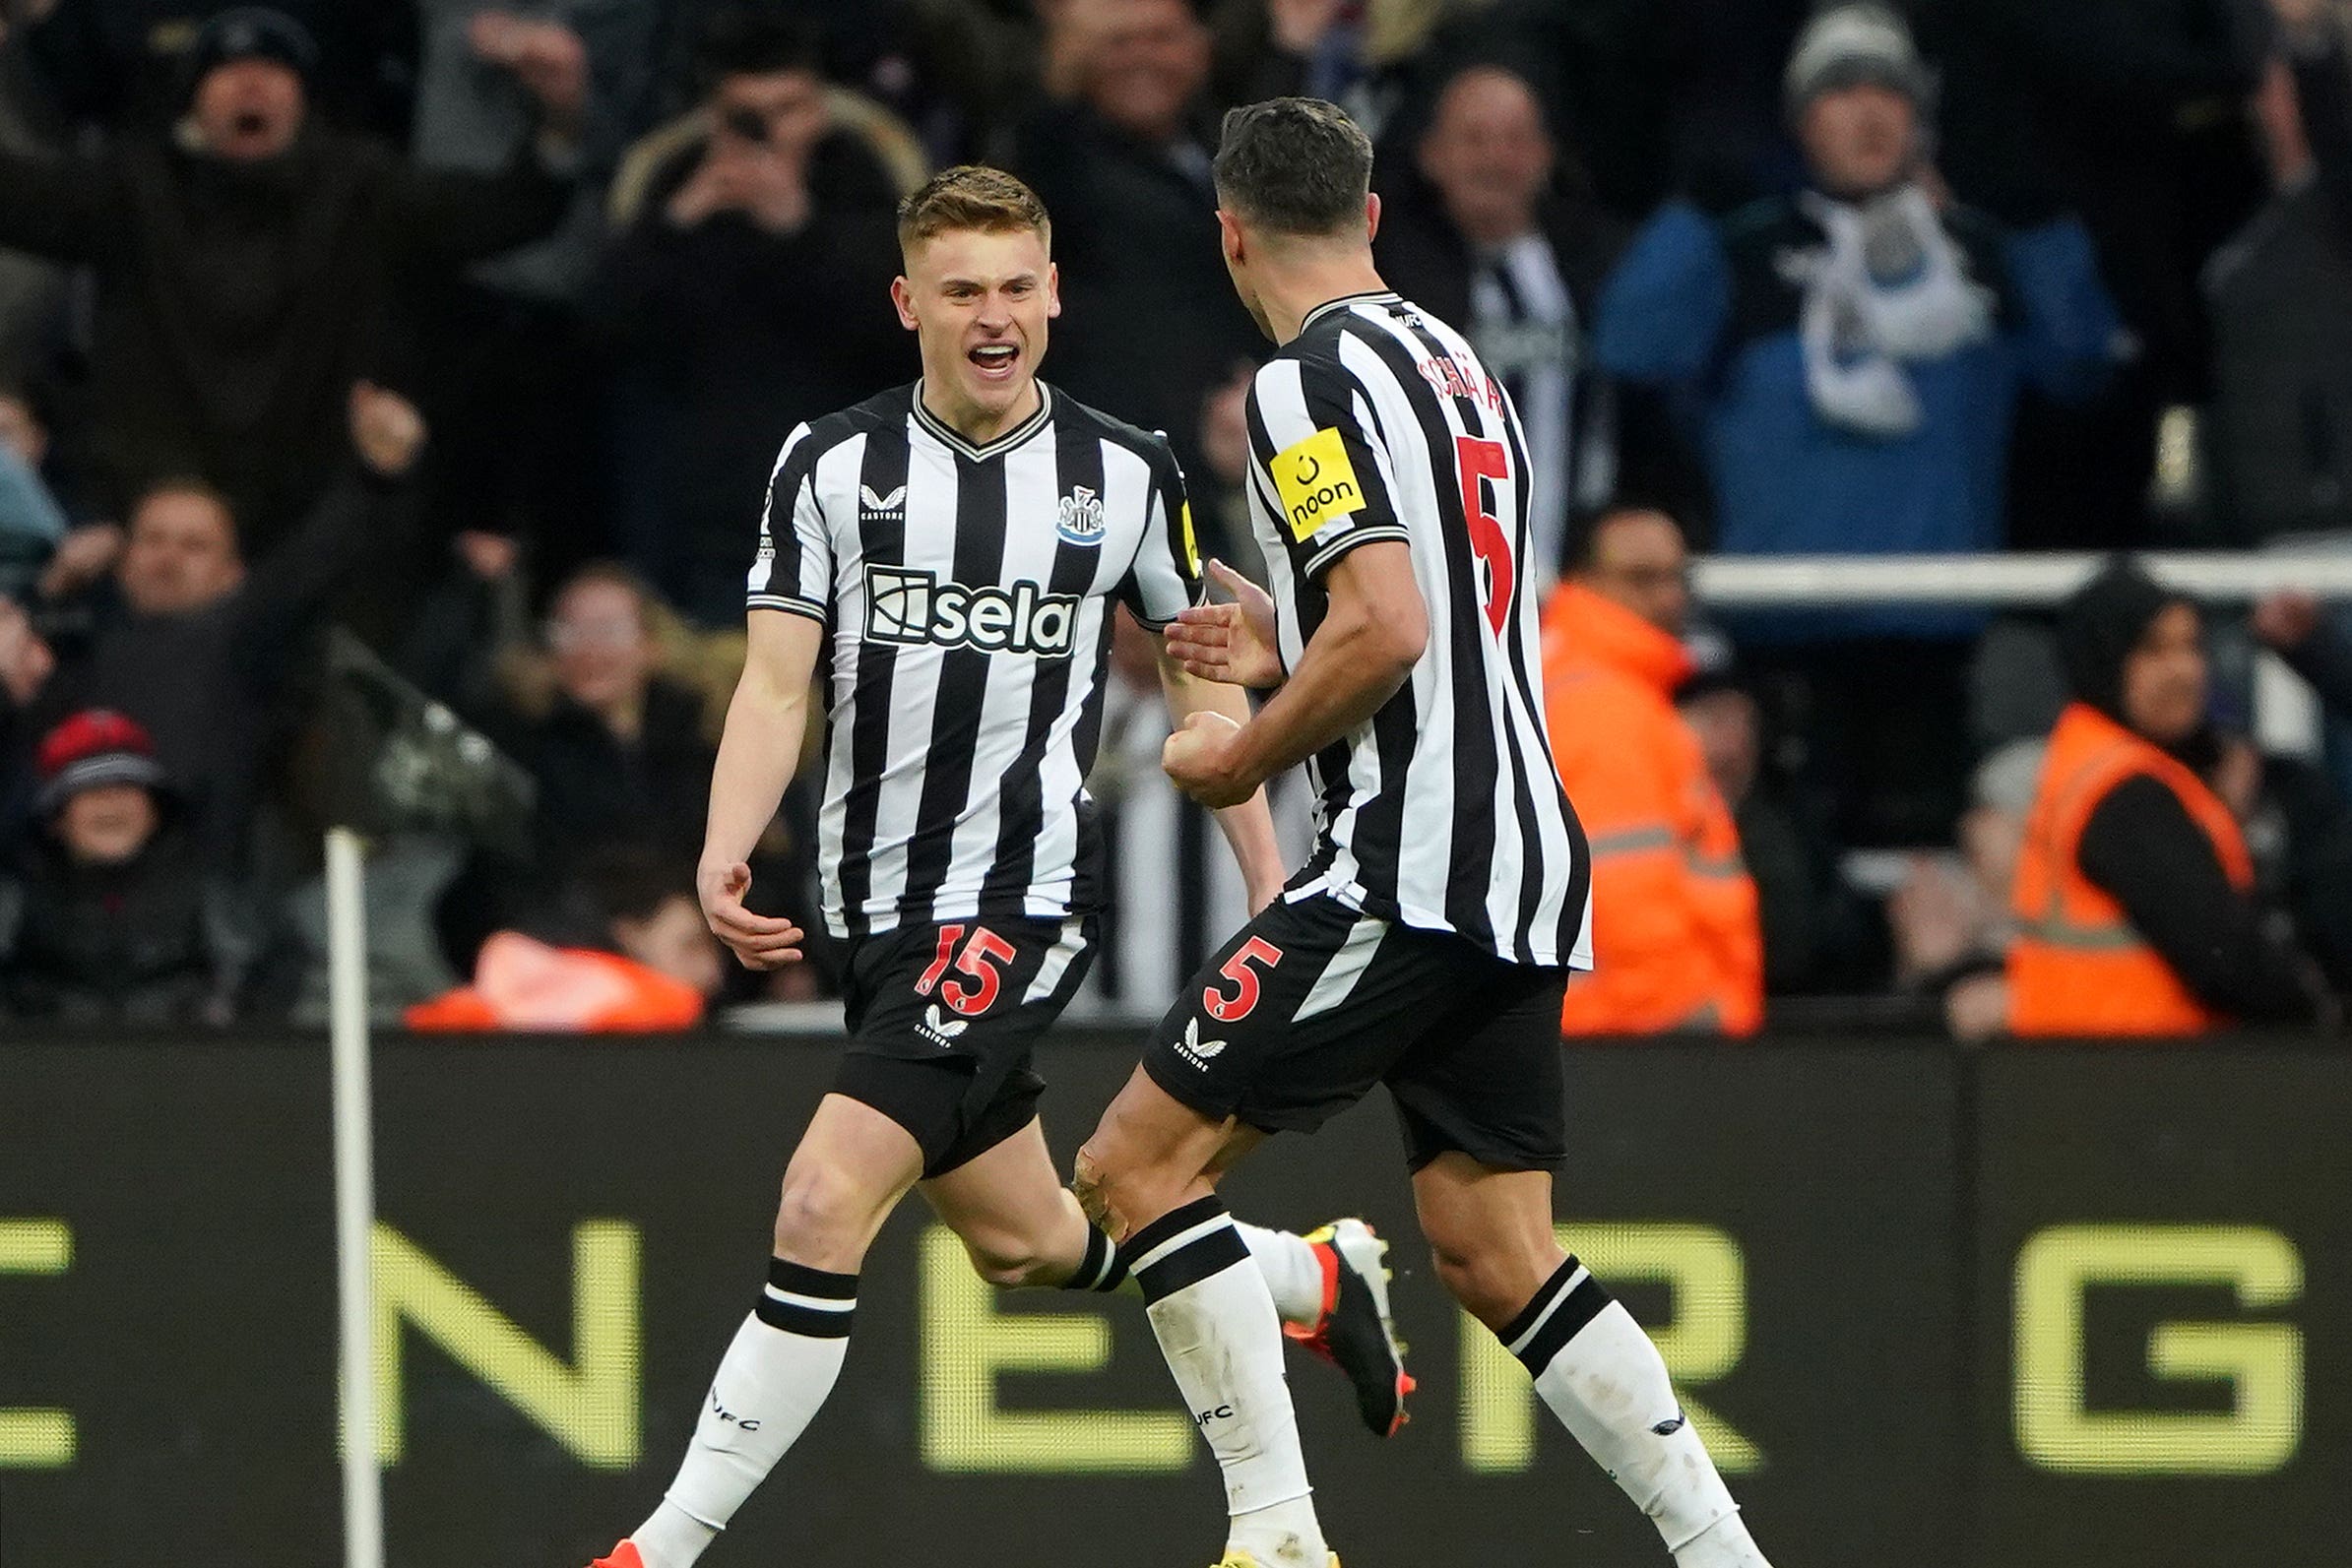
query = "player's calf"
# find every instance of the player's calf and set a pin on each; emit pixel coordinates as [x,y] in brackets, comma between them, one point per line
[1593,1367]
[850,1171]
[1143,1176]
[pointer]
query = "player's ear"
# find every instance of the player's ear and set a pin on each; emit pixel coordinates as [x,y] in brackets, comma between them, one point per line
[1372,215]
[1229,230]
[1052,290]
[902,294]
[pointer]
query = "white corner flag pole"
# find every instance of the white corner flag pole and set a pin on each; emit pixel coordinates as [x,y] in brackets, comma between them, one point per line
[355,1199]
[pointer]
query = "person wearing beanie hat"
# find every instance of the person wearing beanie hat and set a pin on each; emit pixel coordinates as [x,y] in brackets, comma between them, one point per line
[251,265]
[2135,892]
[107,914]
[251,33]
[246,84]
[1857,351]
[196,647]
[96,749]
[1857,45]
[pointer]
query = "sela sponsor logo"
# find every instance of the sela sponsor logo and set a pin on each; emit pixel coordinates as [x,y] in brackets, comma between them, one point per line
[909,608]
[1317,483]
[940,1030]
[893,505]
[1199,1053]
[1081,517]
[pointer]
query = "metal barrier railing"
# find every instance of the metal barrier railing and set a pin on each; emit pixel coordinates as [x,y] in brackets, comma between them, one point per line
[2286,716]
[1815,582]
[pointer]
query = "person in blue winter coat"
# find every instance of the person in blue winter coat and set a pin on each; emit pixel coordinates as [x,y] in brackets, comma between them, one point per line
[1853,354]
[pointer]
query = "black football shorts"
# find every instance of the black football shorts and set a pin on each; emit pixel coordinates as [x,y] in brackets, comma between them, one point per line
[1313,1003]
[943,1020]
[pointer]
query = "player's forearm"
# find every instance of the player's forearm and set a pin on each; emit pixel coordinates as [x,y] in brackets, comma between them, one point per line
[1249,828]
[757,757]
[1350,669]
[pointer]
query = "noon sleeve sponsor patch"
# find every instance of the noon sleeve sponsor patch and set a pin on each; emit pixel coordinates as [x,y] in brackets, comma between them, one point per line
[1317,483]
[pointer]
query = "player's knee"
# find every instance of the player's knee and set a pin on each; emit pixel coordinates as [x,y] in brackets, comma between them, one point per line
[1115,1190]
[822,1220]
[1476,1283]
[1090,1184]
[1492,1281]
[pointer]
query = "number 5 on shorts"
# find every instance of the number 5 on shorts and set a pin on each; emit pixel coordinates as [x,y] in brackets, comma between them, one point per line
[1231,1009]
[980,959]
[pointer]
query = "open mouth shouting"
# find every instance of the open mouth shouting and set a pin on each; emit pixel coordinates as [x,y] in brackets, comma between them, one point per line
[996,362]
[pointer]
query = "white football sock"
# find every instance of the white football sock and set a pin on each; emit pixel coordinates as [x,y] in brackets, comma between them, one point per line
[1725,1543]
[1292,1270]
[777,1372]
[1218,1327]
[1601,1375]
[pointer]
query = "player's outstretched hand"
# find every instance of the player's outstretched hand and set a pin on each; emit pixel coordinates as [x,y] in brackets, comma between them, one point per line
[1197,759]
[759,941]
[1234,642]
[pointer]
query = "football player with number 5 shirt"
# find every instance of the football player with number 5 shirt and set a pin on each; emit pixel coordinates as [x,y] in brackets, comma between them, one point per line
[951,554]
[1428,941]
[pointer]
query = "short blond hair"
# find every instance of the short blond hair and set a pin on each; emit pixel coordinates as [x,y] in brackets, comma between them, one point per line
[971,197]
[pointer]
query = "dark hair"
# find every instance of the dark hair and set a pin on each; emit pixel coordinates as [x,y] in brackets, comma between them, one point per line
[631,882]
[1582,548]
[1294,166]
[970,196]
[754,40]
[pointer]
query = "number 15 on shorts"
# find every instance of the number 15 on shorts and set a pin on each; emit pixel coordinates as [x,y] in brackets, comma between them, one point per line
[979,960]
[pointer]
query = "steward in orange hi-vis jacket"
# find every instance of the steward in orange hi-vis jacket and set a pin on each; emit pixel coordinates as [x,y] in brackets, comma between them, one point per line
[1677,942]
[2136,895]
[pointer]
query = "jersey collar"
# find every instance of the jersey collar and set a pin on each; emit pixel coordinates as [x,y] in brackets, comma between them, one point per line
[946,434]
[1332,307]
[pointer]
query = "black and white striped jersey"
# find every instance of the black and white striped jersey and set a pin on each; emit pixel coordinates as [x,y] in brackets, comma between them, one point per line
[966,593]
[1172,892]
[1443,810]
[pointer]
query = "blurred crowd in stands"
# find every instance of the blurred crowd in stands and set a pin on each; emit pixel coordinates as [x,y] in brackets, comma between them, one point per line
[453,341]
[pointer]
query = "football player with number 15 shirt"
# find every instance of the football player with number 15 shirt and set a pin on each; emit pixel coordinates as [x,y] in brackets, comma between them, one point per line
[951,554]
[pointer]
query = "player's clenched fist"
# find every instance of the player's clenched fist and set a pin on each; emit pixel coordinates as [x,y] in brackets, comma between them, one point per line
[1199,758]
[1230,642]
[760,941]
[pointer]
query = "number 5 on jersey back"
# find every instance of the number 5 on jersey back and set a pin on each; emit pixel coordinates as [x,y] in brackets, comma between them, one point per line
[1479,459]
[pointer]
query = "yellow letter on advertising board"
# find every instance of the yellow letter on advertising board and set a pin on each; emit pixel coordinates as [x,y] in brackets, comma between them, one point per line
[1701,1345]
[36,1439]
[964,1342]
[591,1407]
[2262,1363]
